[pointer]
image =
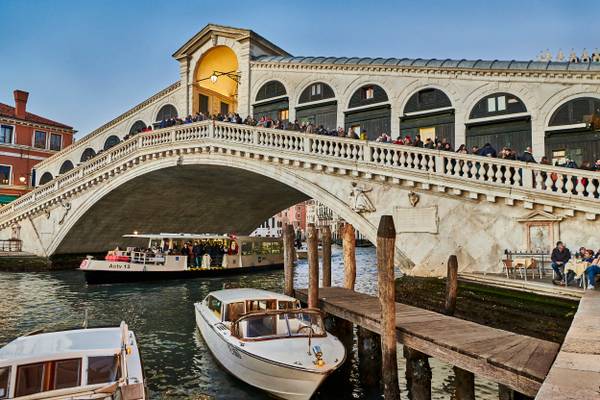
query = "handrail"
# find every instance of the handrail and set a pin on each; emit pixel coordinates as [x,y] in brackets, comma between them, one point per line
[381,158]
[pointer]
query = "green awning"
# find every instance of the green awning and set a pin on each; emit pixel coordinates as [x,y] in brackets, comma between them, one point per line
[7,198]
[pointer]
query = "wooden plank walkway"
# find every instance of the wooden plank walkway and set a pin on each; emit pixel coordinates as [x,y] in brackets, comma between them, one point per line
[517,361]
[576,370]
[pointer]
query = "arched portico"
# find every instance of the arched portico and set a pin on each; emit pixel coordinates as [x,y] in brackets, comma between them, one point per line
[216,81]
[429,113]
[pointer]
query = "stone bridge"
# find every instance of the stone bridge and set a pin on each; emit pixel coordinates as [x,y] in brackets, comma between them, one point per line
[220,177]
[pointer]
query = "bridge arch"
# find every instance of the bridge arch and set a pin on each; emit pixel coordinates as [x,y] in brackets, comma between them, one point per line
[93,209]
[271,100]
[317,103]
[111,141]
[167,111]
[45,178]
[137,127]
[216,81]
[369,110]
[429,113]
[87,154]
[66,167]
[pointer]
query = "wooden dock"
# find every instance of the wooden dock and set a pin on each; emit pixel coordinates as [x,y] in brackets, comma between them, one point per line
[575,373]
[515,361]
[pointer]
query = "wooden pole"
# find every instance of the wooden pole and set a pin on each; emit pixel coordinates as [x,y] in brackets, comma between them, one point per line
[418,375]
[369,357]
[451,285]
[386,238]
[312,241]
[288,259]
[349,243]
[326,243]
[464,384]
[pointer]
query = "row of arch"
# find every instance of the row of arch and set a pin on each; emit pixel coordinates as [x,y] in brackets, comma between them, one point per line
[501,118]
[166,112]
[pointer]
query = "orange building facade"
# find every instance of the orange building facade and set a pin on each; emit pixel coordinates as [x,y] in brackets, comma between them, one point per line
[25,140]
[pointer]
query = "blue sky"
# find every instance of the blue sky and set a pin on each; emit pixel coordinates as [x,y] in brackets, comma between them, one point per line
[85,62]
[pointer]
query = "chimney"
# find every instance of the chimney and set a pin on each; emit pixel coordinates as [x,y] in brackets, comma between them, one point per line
[20,103]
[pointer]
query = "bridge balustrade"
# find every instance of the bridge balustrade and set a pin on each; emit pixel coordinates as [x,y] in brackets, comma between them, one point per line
[536,178]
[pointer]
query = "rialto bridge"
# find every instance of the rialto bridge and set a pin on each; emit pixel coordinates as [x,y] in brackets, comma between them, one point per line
[221,177]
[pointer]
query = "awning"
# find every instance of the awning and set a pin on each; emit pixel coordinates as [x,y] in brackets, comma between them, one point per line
[7,198]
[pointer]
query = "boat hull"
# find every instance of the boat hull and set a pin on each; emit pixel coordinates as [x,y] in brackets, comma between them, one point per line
[279,380]
[104,276]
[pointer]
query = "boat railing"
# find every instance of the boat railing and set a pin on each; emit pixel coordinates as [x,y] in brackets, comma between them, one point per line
[279,324]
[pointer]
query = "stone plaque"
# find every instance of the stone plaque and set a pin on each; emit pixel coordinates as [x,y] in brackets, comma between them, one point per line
[416,220]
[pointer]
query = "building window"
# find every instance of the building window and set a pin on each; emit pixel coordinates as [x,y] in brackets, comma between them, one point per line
[6,133]
[496,104]
[5,173]
[368,93]
[315,90]
[55,142]
[39,139]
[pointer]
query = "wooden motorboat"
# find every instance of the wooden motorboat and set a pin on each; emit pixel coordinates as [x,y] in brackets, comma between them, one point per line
[95,363]
[268,341]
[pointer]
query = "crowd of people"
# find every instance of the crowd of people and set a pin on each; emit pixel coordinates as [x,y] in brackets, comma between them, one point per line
[561,256]
[442,144]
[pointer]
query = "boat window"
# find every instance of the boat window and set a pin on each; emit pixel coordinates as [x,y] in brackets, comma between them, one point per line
[4,380]
[67,373]
[263,326]
[260,305]
[288,305]
[271,248]
[234,311]
[247,248]
[214,305]
[29,379]
[306,324]
[102,369]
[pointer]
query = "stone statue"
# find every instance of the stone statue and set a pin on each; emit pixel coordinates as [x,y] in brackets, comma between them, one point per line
[359,200]
[585,57]
[15,231]
[573,56]
[548,55]
[560,56]
[596,56]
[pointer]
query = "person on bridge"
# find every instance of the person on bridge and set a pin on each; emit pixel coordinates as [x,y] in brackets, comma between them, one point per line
[560,256]
[487,151]
[592,271]
[527,156]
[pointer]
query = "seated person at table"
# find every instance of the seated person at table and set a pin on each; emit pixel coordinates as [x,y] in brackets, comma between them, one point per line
[560,256]
[592,271]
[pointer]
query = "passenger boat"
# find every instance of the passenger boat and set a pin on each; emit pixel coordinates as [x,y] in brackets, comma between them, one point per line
[95,363]
[268,341]
[163,258]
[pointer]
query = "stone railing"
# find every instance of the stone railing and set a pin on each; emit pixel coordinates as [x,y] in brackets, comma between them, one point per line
[570,188]
[84,140]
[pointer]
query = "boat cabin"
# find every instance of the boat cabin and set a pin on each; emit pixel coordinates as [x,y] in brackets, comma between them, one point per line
[255,314]
[68,363]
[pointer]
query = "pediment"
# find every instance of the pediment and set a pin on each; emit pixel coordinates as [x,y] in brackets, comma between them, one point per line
[211,31]
[540,216]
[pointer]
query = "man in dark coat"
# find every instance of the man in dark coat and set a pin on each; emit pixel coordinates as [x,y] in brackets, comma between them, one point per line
[527,156]
[560,256]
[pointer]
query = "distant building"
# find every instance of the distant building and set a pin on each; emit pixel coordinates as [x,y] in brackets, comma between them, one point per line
[270,228]
[25,140]
[273,227]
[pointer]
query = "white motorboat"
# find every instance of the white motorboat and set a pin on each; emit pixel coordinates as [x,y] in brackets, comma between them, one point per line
[94,363]
[268,341]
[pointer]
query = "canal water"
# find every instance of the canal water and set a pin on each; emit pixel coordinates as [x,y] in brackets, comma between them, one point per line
[176,361]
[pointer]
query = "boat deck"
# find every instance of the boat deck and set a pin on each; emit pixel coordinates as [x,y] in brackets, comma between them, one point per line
[575,373]
[516,361]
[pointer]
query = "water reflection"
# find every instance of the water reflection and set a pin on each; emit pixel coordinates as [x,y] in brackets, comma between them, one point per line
[176,360]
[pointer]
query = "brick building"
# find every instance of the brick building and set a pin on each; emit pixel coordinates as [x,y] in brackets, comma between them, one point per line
[25,140]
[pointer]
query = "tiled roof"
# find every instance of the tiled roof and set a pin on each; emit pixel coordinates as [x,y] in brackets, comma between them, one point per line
[435,63]
[9,111]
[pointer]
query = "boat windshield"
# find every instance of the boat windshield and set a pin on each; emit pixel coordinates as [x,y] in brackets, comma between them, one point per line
[278,324]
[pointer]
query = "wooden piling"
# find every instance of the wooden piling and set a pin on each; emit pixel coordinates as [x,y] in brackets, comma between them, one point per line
[312,242]
[349,243]
[418,375]
[464,384]
[326,244]
[451,285]
[288,259]
[386,238]
[369,357]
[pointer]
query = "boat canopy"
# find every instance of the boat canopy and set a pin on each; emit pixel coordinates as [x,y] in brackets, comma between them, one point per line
[93,341]
[243,294]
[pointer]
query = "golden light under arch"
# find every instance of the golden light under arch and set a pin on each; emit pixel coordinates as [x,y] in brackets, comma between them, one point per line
[212,96]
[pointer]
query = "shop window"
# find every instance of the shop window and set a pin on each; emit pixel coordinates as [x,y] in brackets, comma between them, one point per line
[4,382]
[29,379]
[102,369]
[39,140]
[6,133]
[5,173]
[283,115]
[55,142]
